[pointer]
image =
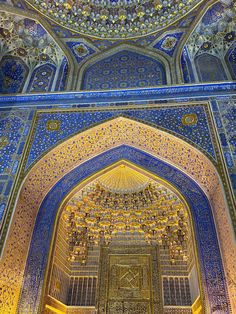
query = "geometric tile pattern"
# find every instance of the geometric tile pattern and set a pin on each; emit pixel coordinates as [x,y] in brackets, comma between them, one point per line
[42,78]
[27,49]
[62,76]
[209,54]
[124,69]
[225,118]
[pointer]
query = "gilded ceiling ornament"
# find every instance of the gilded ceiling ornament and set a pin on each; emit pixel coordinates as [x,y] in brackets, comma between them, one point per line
[95,215]
[169,43]
[53,125]
[189,119]
[115,18]
[81,50]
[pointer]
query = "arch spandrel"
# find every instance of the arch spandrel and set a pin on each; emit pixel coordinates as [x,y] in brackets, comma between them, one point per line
[75,151]
[120,131]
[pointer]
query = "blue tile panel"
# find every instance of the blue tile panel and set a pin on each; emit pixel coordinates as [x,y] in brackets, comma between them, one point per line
[15,126]
[211,46]
[213,14]
[231,61]
[63,76]
[227,128]
[225,120]
[2,210]
[211,267]
[124,69]
[186,65]
[167,118]
[12,126]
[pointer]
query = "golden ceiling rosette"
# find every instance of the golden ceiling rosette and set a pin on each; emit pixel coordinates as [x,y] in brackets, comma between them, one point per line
[123,179]
[114,19]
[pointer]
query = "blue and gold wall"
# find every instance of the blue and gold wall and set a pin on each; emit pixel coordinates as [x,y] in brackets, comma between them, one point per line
[170,74]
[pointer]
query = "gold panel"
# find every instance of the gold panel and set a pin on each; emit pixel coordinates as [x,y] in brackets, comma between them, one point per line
[54,306]
[197,306]
[129,281]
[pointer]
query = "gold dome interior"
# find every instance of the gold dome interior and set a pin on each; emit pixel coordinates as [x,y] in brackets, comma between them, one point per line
[123,179]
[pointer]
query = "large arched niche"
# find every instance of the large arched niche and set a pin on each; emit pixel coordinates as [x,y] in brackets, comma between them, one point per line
[133,178]
[40,183]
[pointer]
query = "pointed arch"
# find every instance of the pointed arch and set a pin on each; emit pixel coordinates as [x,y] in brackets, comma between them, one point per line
[157,58]
[209,68]
[80,156]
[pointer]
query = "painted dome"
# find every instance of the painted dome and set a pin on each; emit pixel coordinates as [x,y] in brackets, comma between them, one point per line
[114,19]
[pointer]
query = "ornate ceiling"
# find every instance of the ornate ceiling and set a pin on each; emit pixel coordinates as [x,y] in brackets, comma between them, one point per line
[115,19]
[97,213]
[123,179]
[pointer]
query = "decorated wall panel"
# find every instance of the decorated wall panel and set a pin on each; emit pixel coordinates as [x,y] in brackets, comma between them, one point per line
[168,43]
[124,69]
[196,199]
[33,59]
[189,122]
[14,128]
[80,50]
[186,65]
[62,76]
[176,291]
[225,118]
